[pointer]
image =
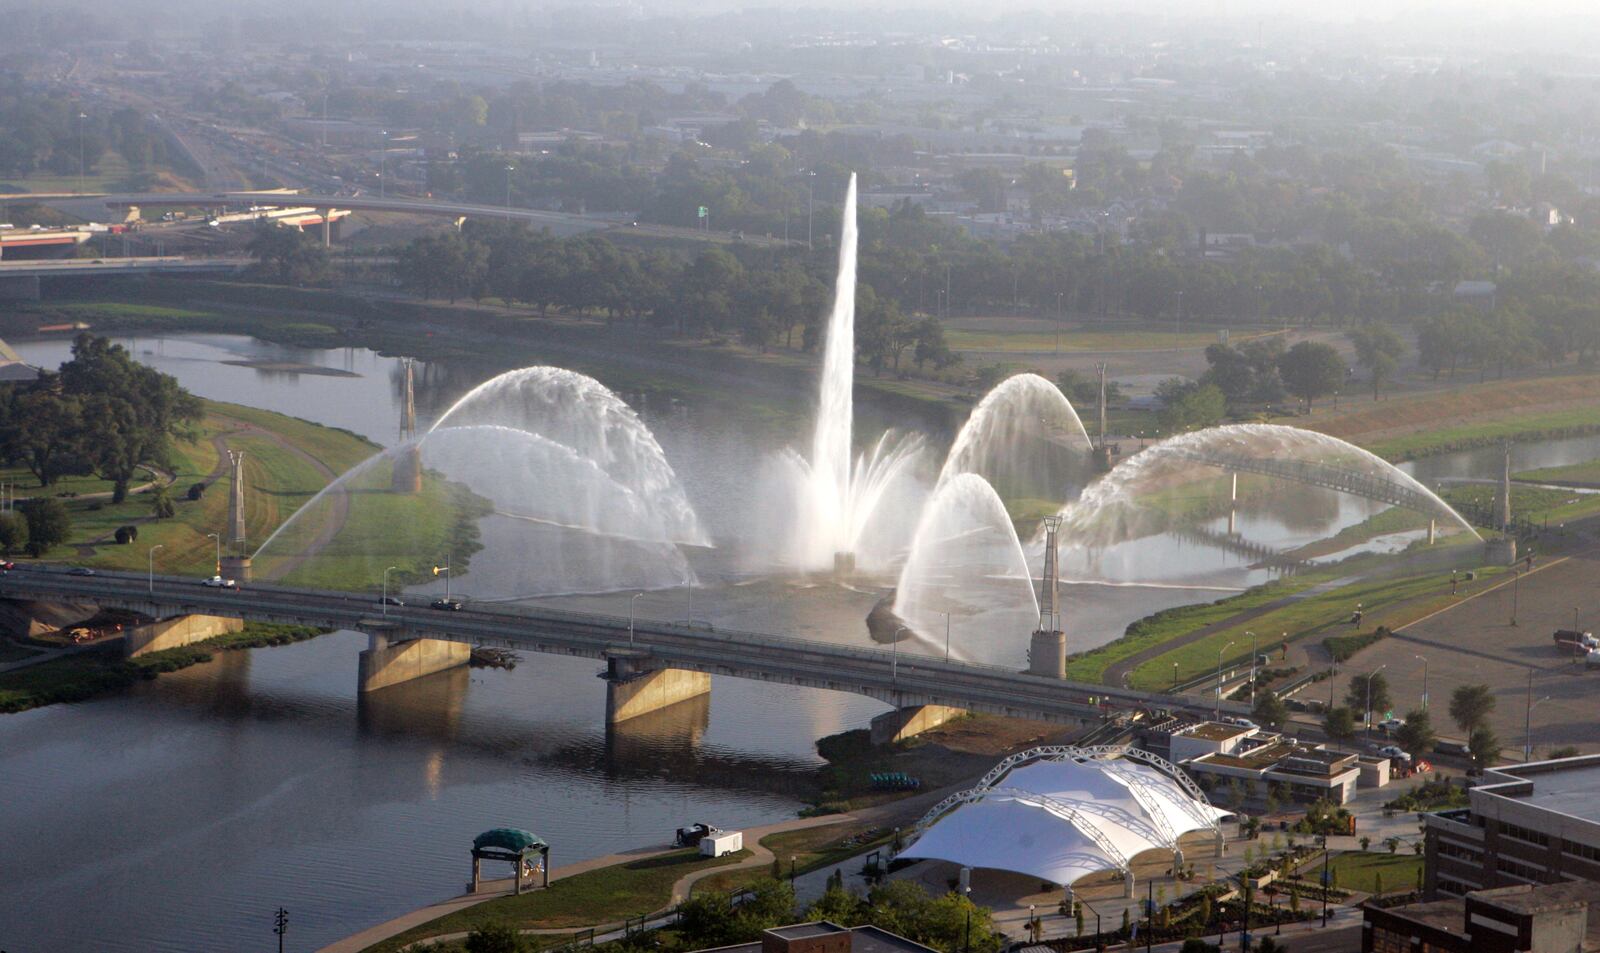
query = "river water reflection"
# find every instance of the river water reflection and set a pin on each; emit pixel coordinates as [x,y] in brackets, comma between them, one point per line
[180,814]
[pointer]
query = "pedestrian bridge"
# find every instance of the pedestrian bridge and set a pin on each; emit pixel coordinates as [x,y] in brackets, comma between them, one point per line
[650,656]
[1328,476]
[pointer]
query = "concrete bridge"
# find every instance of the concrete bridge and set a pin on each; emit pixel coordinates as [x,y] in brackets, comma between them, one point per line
[661,665]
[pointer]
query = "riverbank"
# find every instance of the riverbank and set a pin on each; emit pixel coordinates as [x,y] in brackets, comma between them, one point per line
[101,669]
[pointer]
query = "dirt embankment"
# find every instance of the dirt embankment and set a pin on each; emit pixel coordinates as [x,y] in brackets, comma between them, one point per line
[1472,404]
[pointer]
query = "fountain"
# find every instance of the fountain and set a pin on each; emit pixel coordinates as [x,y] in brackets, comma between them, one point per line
[843,504]
[544,467]
[1025,439]
[966,574]
[1140,496]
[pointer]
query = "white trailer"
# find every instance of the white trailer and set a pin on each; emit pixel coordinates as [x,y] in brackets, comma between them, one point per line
[722,843]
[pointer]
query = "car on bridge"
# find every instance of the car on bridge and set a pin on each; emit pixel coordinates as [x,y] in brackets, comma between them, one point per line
[392,601]
[6,566]
[217,582]
[80,571]
[449,605]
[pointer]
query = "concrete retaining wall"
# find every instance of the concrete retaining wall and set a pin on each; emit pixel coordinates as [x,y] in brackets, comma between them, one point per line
[176,632]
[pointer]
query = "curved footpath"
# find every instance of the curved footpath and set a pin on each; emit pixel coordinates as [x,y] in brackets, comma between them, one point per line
[880,814]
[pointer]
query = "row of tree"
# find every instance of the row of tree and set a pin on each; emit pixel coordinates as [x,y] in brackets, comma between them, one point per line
[102,413]
[1368,696]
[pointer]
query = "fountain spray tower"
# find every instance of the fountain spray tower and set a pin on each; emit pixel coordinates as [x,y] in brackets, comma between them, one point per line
[408,463]
[1047,653]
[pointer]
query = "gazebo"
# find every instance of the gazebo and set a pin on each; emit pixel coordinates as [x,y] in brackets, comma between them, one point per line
[513,846]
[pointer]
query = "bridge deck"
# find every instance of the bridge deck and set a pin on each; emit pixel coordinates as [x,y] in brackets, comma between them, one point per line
[902,680]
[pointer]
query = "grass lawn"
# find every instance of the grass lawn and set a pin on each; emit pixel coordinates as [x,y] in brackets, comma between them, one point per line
[1574,473]
[1528,502]
[1361,870]
[111,168]
[24,484]
[812,848]
[607,895]
[1171,623]
[1045,341]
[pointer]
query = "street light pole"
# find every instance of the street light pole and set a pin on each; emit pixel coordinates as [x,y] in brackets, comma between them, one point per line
[386,573]
[152,567]
[81,117]
[1527,720]
[1424,680]
[1324,879]
[1369,697]
[631,601]
[947,636]
[383,157]
[1220,652]
[1252,667]
[509,169]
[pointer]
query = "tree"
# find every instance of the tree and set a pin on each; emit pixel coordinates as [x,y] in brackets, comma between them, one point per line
[1339,724]
[1378,349]
[1310,370]
[1471,706]
[836,905]
[494,938]
[161,504]
[288,254]
[1484,745]
[1186,405]
[13,533]
[130,411]
[49,525]
[1359,699]
[1416,737]
[1270,710]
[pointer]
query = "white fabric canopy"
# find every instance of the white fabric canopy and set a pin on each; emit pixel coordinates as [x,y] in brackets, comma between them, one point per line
[1060,819]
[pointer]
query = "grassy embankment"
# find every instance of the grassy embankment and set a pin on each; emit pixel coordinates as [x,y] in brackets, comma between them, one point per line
[103,669]
[1407,426]
[1540,505]
[1044,342]
[1577,474]
[607,895]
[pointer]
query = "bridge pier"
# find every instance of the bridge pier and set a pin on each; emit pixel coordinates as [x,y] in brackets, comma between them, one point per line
[903,723]
[386,662]
[635,686]
[1047,654]
[175,632]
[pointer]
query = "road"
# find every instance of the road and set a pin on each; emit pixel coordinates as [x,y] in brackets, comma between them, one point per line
[559,223]
[901,680]
[48,268]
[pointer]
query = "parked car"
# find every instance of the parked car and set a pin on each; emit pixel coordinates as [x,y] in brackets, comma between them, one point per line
[1239,722]
[1452,747]
[448,605]
[1395,752]
[217,582]
[1391,726]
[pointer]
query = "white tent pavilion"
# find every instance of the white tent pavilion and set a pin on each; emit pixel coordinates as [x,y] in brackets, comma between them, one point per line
[1061,813]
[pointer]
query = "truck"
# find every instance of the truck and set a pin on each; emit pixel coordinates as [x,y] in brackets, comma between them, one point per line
[1572,639]
[722,843]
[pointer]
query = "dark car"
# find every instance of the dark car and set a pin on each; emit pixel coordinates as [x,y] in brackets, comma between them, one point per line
[449,605]
[80,571]
[393,601]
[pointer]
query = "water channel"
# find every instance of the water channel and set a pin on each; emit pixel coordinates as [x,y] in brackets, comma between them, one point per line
[178,815]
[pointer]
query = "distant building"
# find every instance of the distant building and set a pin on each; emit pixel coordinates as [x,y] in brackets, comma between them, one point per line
[1527,824]
[1477,293]
[1555,918]
[825,937]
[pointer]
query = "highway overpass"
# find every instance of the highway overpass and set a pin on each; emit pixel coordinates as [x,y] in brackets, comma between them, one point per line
[137,265]
[904,680]
[559,223]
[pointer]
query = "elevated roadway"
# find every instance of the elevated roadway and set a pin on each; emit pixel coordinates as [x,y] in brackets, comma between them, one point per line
[903,679]
[559,223]
[138,265]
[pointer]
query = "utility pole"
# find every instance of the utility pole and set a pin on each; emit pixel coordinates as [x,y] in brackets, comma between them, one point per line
[280,926]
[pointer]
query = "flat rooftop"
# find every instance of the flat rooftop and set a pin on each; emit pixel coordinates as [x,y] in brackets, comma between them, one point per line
[1564,789]
[1214,731]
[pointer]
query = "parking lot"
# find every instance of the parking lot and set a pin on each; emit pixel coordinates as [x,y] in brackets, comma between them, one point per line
[1474,642]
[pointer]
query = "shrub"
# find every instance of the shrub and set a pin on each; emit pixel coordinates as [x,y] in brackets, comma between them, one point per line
[127,534]
[196,491]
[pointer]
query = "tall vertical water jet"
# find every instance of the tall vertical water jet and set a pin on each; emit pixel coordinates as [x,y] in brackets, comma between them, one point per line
[843,500]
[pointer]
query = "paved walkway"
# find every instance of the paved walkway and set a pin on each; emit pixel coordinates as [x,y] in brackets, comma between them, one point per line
[759,857]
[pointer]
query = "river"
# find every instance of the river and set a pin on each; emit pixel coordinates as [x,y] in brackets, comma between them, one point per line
[180,814]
